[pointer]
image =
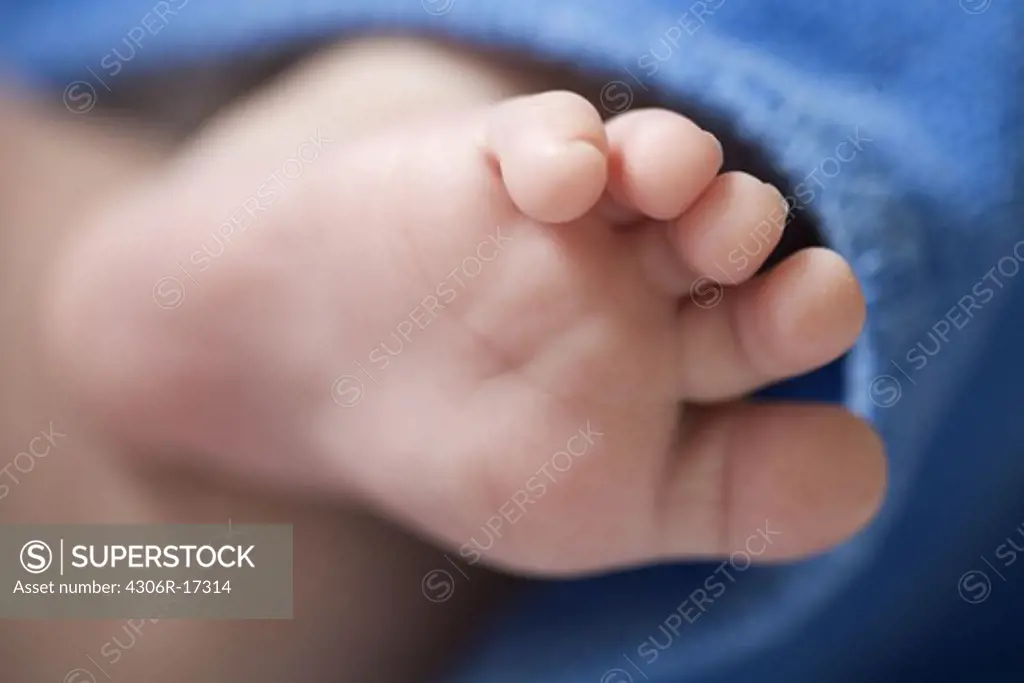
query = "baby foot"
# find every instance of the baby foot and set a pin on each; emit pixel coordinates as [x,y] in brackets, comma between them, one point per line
[504,329]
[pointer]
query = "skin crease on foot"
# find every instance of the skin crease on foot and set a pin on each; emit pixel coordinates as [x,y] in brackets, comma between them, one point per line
[471,313]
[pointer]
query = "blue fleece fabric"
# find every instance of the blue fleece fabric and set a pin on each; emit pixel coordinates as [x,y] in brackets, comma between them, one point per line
[900,128]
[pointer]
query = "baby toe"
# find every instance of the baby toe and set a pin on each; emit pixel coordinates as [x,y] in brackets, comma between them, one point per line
[732,229]
[660,162]
[803,314]
[552,152]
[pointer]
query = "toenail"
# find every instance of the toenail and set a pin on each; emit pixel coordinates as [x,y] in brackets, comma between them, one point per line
[584,146]
[777,191]
[718,143]
[595,140]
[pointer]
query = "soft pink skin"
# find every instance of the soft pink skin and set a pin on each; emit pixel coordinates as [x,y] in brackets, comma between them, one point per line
[581,318]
